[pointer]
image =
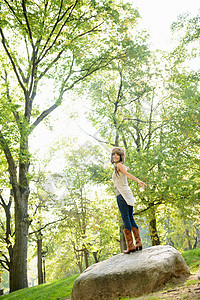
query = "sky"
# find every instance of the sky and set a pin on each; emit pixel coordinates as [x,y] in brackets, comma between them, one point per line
[157,17]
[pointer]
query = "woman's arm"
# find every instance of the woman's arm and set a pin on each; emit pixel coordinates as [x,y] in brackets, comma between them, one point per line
[121,168]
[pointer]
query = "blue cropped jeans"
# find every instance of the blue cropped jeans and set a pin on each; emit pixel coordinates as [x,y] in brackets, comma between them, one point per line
[126,213]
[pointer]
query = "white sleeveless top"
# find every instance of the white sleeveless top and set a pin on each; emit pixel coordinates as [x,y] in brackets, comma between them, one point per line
[121,187]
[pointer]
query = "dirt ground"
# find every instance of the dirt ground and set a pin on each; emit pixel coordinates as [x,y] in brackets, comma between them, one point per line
[188,290]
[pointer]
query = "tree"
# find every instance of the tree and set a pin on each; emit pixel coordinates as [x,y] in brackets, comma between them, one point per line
[52,43]
[6,224]
[60,197]
[83,226]
[183,86]
[136,115]
[7,235]
[87,231]
[125,102]
[38,207]
[180,135]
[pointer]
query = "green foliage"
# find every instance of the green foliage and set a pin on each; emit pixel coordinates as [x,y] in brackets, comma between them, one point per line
[60,44]
[50,46]
[158,126]
[187,27]
[88,215]
[59,47]
[176,229]
[183,113]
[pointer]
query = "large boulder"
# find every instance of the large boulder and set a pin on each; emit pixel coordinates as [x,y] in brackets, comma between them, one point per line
[132,274]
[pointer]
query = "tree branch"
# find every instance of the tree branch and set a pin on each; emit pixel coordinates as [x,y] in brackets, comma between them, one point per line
[54,27]
[94,137]
[2,262]
[61,52]
[43,115]
[90,72]
[13,11]
[147,208]
[15,113]
[48,224]
[136,99]
[12,61]
[27,23]
[3,204]
[11,163]
[91,30]
[120,87]
[51,64]
[1,223]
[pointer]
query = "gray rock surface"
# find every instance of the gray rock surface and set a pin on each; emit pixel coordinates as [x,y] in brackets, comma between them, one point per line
[132,274]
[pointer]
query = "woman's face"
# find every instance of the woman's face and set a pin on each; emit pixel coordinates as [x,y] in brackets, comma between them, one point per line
[116,157]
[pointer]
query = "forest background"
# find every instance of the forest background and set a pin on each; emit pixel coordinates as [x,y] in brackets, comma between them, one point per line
[57,205]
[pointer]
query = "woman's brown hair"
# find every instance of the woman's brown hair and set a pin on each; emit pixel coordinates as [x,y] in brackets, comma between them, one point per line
[120,152]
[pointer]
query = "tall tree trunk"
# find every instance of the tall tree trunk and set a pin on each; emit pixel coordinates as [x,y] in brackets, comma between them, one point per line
[17,262]
[153,229]
[22,222]
[188,238]
[122,239]
[95,256]
[19,276]
[39,260]
[198,235]
[86,257]
[20,189]
[79,263]
[11,266]
[8,234]
[154,233]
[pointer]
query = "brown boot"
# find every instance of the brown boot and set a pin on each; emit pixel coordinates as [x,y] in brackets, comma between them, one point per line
[129,241]
[137,238]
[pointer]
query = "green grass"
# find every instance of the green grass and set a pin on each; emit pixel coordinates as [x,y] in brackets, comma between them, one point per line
[190,282]
[192,258]
[55,290]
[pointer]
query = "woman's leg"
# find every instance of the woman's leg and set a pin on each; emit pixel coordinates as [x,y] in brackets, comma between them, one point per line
[124,210]
[133,223]
[135,229]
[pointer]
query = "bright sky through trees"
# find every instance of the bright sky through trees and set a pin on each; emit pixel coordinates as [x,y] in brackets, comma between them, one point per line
[157,17]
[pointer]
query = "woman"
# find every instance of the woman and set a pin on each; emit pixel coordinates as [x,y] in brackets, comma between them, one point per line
[125,199]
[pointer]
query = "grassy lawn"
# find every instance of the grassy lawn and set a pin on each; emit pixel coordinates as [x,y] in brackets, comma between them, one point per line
[55,290]
[61,289]
[192,258]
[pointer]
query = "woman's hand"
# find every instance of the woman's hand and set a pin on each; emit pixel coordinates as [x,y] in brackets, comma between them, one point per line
[142,183]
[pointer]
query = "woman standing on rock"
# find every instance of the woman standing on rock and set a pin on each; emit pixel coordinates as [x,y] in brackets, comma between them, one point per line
[125,199]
